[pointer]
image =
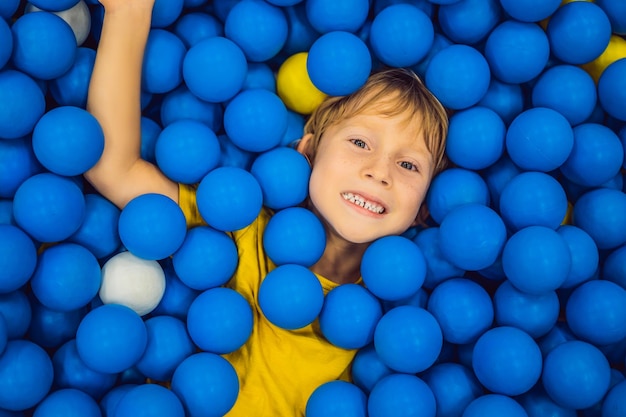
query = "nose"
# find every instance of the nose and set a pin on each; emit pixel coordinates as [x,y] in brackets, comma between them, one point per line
[378,169]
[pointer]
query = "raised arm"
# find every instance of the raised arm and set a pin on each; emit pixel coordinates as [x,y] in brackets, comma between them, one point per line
[115,100]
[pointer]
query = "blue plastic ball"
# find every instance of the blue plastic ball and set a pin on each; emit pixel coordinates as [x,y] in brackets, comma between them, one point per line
[452,188]
[600,213]
[530,10]
[18,258]
[439,42]
[536,259]
[177,296]
[255,120]
[337,398]
[51,328]
[536,314]
[327,15]
[469,21]
[533,199]
[401,35]
[472,236]
[152,226]
[17,163]
[494,405]
[301,34]
[17,312]
[68,140]
[613,403]
[233,156]
[475,138]
[162,63]
[49,207]
[611,89]
[150,399]
[401,395]
[70,89]
[229,198]
[22,103]
[458,76]
[507,361]
[182,104]
[44,45]
[438,268]
[258,28]
[260,75]
[462,308]
[193,27]
[291,296]
[294,236]
[68,402]
[454,386]
[596,312]
[585,255]
[283,174]
[349,316]
[576,374]
[408,339]
[6,42]
[53,5]
[367,368]
[537,404]
[111,338]
[206,259]
[507,100]
[150,131]
[186,150]
[516,51]
[109,402]
[99,232]
[25,375]
[338,63]
[574,88]
[215,69]
[539,139]
[206,384]
[164,13]
[8,8]
[578,32]
[614,266]
[393,268]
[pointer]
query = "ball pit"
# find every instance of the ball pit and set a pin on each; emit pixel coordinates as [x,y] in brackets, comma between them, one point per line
[526,237]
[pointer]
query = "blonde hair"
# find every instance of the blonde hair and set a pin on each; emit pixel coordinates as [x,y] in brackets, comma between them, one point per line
[391,91]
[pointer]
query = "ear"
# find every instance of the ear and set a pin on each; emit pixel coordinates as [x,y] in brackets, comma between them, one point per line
[304,145]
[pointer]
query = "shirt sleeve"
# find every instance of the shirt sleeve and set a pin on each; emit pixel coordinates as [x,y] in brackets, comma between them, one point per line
[189,206]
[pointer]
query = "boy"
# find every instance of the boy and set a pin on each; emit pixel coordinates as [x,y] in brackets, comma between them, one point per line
[373,156]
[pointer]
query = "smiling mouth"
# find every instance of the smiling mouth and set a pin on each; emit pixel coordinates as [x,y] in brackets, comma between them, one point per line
[362,202]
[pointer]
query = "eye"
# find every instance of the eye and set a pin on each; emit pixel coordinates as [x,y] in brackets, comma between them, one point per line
[408,165]
[360,143]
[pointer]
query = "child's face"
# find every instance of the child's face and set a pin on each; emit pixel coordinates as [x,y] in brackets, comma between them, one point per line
[370,176]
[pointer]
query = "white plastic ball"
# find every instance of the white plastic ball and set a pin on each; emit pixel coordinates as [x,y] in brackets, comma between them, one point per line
[78,17]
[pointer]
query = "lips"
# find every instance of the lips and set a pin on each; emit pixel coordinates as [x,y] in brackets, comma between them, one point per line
[363,202]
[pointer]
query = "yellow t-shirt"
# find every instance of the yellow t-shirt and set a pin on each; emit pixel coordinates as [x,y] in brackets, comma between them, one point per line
[278,369]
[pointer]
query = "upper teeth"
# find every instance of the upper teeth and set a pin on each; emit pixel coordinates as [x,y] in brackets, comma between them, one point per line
[360,201]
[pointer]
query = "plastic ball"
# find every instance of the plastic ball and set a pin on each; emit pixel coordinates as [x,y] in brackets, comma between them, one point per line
[475,138]
[18,257]
[67,402]
[4,337]
[215,69]
[71,88]
[162,63]
[54,6]
[505,99]
[291,296]
[452,188]
[152,226]
[301,34]
[295,88]
[255,120]
[206,384]
[150,131]
[458,76]
[98,232]
[25,375]
[574,87]
[49,207]
[576,374]
[599,212]
[23,103]
[536,260]
[51,328]
[507,361]
[109,402]
[133,282]
[469,21]
[438,268]
[615,51]
[8,8]
[613,403]
[401,35]
[164,13]
[533,199]
[536,314]
[193,27]
[367,368]
[180,104]
[260,75]
[17,312]
[537,404]
[78,17]
[44,45]
[338,63]
[68,140]
[472,236]
[150,399]
[393,268]
[327,16]
[408,339]
[259,28]
[439,42]
[493,405]
[294,236]
[539,139]
[177,296]
[401,395]
[530,10]
[111,338]
[206,259]
[610,89]
[454,387]
[584,253]
[337,398]
[229,198]
[596,311]
[462,308]
[578,32]
[349,316]
[17,163]
[6,42]
[233,156]
[614,267]
[516,51]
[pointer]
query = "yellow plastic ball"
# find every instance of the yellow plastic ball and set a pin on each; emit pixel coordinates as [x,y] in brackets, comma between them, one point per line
[294,86]
[615,51]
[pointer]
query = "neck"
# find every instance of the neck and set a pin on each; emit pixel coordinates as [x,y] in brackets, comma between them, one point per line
[341,261]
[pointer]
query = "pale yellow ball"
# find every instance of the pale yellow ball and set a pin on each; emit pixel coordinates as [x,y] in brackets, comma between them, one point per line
[294,86]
